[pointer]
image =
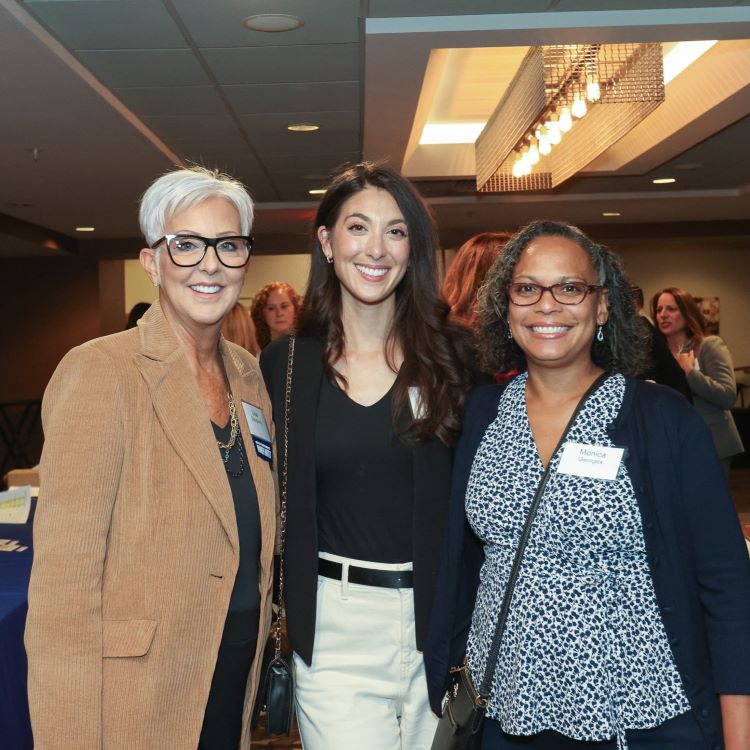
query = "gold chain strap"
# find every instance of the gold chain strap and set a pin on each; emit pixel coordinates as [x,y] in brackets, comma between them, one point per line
[283,491]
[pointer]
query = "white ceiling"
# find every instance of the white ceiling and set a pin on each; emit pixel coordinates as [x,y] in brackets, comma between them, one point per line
[110,93]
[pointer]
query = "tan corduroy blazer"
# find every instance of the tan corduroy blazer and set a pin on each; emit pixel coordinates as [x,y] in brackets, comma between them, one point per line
[136,546]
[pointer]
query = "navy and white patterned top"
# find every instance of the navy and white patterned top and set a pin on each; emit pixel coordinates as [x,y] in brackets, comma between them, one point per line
[584,652]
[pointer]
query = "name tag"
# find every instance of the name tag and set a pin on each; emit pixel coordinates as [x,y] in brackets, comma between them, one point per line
[258,431]
[593,461]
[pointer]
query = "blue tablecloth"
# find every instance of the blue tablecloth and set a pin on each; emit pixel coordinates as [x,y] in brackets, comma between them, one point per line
[15,569]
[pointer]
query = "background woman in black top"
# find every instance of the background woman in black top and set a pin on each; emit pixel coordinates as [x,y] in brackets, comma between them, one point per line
[378,384]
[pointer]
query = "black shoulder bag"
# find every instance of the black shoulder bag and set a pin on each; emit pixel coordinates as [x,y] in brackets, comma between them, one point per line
[460,726]
[277,688]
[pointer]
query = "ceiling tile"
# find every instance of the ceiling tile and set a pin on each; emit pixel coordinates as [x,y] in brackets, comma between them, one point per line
[249,99]
[172,100]
[219,24]
[309,163]
[276,124]
[339,132]
[217,126]
[140,68]
[109,25]
[332,62]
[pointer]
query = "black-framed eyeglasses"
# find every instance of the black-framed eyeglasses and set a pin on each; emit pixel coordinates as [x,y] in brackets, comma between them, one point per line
[190,249]
[567,293]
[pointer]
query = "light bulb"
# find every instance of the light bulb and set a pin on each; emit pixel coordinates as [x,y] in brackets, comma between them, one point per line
[533,154]
[545,147]
[593,92]
[579,108]
[566,120]
[517,170]
[554,136]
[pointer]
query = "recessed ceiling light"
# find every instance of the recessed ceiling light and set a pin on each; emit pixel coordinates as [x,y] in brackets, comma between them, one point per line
[272,23]
[664,181]
[303,127]
[317,191]
[611,213]
[85,229]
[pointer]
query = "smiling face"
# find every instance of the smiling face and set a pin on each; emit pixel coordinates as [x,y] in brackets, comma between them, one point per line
[669,317]
[198,296]
[552,334]
[369,244]
[278,313]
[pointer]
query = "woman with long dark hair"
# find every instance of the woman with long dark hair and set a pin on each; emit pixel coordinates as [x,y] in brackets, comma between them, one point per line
[377,386]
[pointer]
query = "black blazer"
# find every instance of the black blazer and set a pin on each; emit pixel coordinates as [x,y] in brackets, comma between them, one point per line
[432,471]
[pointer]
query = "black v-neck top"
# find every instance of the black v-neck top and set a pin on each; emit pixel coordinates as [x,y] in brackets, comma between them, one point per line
[365,494]
[245,594]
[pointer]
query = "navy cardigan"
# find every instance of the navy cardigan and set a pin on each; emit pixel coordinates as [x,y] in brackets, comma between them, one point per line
[696,552]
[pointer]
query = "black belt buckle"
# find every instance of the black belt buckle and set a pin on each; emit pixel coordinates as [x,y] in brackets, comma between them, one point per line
[389,579]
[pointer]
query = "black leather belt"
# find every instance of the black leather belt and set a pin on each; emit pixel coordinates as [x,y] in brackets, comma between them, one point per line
[389,579]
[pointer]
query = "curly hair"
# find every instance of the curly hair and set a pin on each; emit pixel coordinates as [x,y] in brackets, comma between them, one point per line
[435,350]
[467,272]
[625,347]
[695,323]
[258,305]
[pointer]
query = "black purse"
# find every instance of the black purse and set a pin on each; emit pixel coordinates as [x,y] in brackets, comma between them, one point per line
[460,726]
[277,688]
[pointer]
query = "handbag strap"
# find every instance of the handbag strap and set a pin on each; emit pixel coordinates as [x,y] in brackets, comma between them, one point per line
[489,671]
[283,493]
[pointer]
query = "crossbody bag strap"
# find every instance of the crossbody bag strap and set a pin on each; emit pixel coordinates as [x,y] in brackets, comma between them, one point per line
[489,671]
[283,491]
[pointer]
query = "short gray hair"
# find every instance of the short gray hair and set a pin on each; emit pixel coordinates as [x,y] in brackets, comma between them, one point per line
[180,189]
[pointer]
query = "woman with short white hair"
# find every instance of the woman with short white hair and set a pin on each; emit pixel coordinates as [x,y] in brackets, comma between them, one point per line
[153,538]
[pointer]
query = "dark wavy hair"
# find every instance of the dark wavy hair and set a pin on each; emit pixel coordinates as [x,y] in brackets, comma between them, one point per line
[695,323]
[435,351]
[625,347]
[258,306]
[467,272]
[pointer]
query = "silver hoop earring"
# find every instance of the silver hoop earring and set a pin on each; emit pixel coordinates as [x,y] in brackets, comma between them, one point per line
[600,334]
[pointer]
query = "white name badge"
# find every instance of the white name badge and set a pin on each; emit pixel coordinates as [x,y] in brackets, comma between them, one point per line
[593,461]
[259,431]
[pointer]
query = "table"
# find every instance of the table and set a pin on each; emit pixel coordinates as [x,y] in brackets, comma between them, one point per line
[15,569]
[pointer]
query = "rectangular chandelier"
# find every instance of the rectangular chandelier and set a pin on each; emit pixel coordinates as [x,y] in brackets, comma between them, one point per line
[566,105]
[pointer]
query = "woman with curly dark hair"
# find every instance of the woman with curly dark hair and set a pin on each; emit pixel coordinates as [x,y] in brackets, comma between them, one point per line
[377,388]
[601,534]
[274,311]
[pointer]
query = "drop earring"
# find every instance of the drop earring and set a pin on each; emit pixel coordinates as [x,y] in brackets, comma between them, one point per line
[600,334]
[510,333]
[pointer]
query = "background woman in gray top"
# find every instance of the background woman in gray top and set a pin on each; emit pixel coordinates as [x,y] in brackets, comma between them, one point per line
[707,364]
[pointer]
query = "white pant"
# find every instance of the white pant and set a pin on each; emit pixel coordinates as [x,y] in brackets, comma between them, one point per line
[366,687]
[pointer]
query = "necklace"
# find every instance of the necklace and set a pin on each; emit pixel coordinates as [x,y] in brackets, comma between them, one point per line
[230,444]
